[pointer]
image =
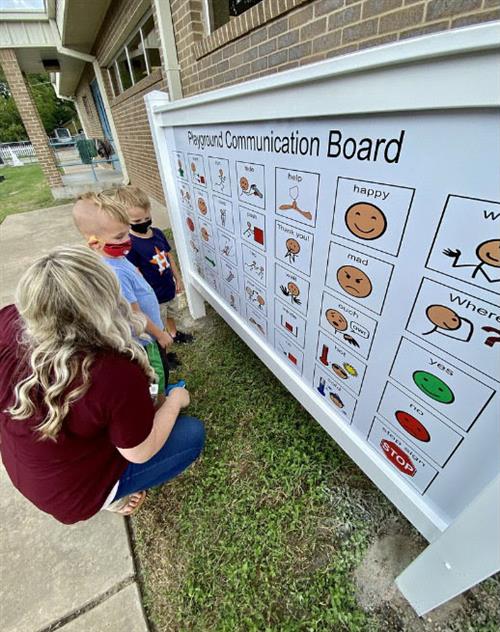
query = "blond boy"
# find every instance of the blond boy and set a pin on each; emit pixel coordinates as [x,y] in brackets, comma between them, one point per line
[103,221]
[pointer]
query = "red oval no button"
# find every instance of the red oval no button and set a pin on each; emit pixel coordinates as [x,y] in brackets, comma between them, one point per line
[412,426]
[190,224]
[398,458]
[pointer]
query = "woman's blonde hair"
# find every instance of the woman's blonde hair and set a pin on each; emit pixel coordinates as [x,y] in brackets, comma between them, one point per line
[71,307]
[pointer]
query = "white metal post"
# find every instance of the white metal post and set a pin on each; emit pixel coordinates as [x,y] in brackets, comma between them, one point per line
[195,300]
[465,554]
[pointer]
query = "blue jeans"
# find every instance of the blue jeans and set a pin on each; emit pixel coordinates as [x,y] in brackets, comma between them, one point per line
[183,447]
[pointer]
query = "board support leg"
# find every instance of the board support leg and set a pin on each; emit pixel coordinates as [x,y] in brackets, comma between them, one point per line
[466,553]
[195,301]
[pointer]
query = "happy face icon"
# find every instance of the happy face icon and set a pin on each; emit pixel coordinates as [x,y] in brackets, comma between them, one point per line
[292,249]
[433,387]
[354,281]
[365,221]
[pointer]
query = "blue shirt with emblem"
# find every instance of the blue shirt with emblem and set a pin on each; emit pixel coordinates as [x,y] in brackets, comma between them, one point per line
[135,289]
[149,254]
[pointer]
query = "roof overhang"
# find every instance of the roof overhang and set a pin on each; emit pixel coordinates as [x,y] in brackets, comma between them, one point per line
[67,37]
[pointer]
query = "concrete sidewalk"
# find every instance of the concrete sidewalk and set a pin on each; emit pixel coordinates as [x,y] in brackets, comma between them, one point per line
[79,578]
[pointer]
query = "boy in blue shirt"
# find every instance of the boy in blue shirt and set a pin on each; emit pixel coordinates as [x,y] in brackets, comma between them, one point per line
[150,253]
[103,222]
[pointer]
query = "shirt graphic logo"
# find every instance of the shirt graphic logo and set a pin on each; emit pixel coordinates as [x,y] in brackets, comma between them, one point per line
[161,260]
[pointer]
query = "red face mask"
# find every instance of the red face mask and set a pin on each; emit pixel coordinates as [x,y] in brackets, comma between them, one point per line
[118,250]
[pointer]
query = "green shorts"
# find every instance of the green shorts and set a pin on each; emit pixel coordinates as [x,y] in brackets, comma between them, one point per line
[156,364]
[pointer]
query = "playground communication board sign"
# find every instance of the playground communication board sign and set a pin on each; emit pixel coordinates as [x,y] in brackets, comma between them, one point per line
[366,254]
[356,248]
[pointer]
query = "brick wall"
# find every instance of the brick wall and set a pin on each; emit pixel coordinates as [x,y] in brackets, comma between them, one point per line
[128,109]
[276,35]
[86,105]
[30,117]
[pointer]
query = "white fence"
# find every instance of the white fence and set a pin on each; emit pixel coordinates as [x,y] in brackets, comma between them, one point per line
[23,150]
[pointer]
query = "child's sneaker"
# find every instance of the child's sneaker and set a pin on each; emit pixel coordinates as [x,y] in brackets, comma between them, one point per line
[179,384]
[182,337]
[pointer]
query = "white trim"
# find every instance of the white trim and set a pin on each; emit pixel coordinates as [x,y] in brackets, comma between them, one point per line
[171,67]
[361,74]
[129,65]
[111,82]
[447,567]
[208,17]
[104,95]
[117,70]
[144,51]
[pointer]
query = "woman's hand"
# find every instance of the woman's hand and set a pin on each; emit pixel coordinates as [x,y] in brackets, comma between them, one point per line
[180,397]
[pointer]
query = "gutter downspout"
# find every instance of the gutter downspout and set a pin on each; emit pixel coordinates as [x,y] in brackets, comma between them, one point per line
[167,39]
[69,52]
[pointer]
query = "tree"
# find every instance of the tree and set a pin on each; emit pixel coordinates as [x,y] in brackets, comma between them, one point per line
[54,112]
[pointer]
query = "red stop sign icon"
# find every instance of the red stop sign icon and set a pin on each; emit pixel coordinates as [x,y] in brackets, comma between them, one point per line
[398,457]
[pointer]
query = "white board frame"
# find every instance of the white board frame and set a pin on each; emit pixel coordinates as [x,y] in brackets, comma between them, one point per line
[456,70]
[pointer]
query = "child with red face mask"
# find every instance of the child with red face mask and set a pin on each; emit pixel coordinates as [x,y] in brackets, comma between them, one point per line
[104,223]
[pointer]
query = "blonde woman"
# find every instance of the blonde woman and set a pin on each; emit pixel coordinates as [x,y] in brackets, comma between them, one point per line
[78,428]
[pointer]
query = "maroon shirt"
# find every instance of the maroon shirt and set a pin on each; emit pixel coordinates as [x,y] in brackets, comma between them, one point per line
[72,477]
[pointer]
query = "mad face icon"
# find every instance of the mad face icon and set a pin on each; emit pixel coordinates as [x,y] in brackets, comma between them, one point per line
[365,221]
[292,249]
[354,281]
[291,290]
[448,323]
[488,263]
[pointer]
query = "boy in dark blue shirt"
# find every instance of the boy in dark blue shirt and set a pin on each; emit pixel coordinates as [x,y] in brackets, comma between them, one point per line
[151,254]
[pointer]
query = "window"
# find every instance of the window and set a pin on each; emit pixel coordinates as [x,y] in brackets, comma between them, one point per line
[151,43]
[138,58]
[219,12]
[124,69]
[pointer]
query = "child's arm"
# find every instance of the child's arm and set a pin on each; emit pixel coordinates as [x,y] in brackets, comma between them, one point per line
[179,286]
[163,337]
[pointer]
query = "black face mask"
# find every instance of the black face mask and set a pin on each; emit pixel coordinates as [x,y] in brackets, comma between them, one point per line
[142,227]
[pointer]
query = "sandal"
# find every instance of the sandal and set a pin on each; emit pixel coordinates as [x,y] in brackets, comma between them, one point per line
[128,505]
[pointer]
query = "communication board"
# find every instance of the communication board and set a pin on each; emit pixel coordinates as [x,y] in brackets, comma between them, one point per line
[366,254]
[358,252]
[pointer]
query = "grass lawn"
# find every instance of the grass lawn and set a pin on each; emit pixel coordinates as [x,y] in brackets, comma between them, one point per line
[24,189]
[265,532]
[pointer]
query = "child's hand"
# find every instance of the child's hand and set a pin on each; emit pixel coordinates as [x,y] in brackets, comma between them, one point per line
[179,287]
[165,340]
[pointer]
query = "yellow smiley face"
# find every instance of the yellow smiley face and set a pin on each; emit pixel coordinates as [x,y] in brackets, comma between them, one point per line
[365,221]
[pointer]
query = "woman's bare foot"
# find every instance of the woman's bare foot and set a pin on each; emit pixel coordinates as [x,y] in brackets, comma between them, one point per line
[128,505]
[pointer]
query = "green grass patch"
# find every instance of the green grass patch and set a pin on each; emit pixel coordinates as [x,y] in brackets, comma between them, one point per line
[24,189]
[253,537]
